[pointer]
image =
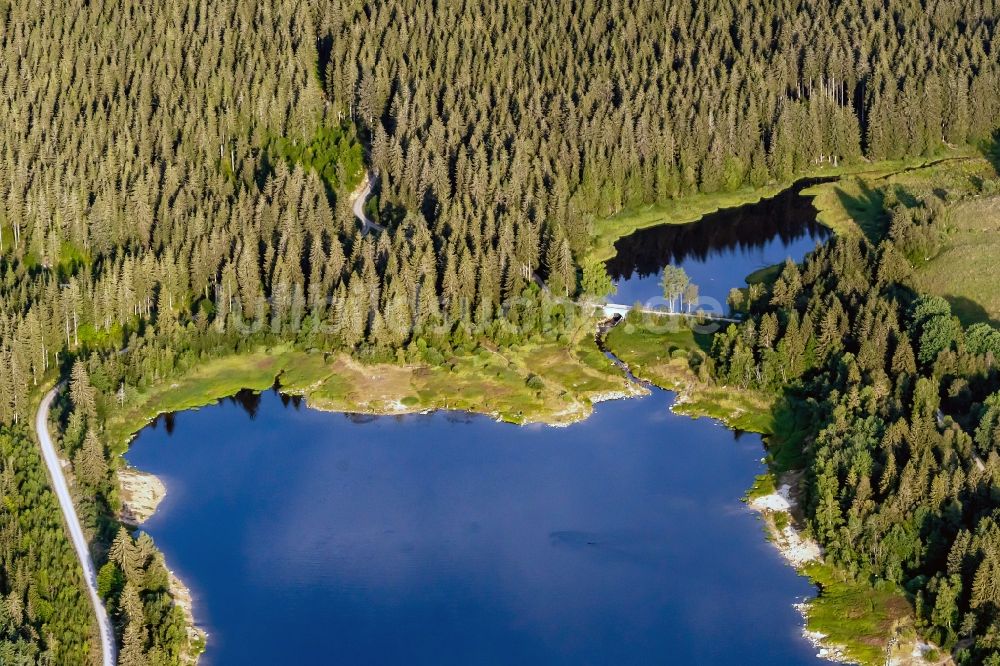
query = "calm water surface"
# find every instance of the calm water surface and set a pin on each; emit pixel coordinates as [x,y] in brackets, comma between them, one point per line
[310,537]
[319,538]
[720,249]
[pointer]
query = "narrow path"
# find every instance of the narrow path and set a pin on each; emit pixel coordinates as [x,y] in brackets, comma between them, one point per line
[359,197]
[61,489]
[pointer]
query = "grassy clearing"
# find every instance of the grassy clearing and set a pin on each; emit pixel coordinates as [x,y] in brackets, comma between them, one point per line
[661,357]
[541,382]
[853,206]
[857,615]
[763,485]
[740,410]
[767,275]
[964,270]
[606,231]
[670,359]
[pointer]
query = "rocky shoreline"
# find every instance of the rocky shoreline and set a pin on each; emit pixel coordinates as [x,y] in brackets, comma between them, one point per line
[182,599]
[800,551]
[141,494]
[796,549]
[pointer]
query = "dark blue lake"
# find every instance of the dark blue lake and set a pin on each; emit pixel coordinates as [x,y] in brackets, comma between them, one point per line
[719,250]
[311,537]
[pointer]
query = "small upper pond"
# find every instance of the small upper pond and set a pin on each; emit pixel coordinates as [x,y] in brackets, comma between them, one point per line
[310,537]
[719,250]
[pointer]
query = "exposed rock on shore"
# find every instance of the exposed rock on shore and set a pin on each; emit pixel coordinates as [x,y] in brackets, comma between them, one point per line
[182,599]
[904,648]
[795,548]
[141,494]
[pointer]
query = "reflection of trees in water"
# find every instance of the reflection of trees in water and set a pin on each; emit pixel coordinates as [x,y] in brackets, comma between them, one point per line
[787,216]
[248,400]
[294,400]
[359,418]
[169,421]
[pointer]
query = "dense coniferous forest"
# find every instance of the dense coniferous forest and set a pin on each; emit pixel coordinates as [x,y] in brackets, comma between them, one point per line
[45,617]
[898,408]
[196,172]
[174,182]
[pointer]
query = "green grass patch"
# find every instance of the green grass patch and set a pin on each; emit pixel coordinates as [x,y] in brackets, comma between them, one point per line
[669,355]
[763,485]
[71,259]
[856,614]
[740,410]
[962,269]
[202,385]
[335,153]
[542,382]
[767,275]
[852,206]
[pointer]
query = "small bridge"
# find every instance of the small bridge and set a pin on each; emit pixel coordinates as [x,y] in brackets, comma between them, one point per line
[612,309]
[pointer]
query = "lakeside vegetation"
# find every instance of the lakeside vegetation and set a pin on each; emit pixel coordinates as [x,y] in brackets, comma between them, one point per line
[540,382]
[898,445]
[945,217]
[963,269]
[173,191]
[861,616]
[853,614]
[677,359]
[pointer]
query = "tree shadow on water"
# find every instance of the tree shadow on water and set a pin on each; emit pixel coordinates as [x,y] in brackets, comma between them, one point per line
[249,400]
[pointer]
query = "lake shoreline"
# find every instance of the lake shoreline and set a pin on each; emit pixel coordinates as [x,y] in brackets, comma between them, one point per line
[380,393]
[597,544]
[142,492]
[141,496]
[149,489]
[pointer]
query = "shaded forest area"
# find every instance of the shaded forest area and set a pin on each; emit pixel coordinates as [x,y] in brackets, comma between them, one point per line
[893,410]
[174,178]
